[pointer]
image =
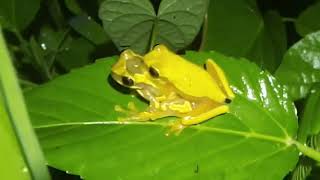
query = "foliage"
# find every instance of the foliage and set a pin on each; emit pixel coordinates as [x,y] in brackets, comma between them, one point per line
[270,54]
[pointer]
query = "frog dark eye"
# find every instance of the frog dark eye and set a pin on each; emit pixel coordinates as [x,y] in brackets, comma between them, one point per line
[153,72]
[227,101]
[127,81]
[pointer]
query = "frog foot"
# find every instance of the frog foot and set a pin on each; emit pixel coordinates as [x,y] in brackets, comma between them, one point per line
[175,128]
[131,108]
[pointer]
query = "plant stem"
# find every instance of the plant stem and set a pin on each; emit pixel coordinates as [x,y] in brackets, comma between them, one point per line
[153,34]
[308,151]
[23,42]
[204,32]
[16,110]
[288,19]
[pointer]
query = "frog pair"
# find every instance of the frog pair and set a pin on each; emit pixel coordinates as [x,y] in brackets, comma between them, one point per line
[173,86]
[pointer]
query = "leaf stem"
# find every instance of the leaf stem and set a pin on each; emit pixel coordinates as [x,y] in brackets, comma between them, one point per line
[153,34]
[288,19]
[308,151]
[23,42]
[204,32]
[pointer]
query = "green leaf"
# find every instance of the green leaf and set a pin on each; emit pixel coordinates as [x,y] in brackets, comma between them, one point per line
[75,120]
[39,61]
[233,26]
[75,53]
[74,7]
[18,14]
[133,24]
[20,154]
[270,45]
[308,20]
[300,68]
[89,29]
[310,121]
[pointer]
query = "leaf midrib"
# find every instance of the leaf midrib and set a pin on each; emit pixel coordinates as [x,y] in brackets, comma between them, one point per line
[283,140]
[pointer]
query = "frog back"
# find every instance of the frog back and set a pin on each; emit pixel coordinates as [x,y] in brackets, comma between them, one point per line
[188,78]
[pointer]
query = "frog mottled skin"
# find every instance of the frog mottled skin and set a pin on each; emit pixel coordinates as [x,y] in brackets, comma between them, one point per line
[173,86]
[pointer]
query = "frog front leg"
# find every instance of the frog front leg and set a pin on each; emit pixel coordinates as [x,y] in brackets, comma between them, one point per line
[203,112]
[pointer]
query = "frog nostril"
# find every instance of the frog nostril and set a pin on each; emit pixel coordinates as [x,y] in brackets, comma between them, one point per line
[227,101]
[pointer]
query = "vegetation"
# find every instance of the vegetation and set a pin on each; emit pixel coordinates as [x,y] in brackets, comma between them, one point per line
[63,50]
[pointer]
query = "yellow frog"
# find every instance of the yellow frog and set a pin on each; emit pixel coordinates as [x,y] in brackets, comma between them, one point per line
[173,86]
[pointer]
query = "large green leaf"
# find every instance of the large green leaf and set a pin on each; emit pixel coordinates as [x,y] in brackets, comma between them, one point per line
[233,26]
[308,20]
[18,14]
[300,68]
[134,24]
[75,120]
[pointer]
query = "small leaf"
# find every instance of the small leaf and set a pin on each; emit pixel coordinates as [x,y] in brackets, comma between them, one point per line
[89,29]
[233,26]
[75,53]
[310,121]
[300,68]
[178,22]
[308,20]
[18,14]
[39,61]
[74,7]
[134,24]
[76,122]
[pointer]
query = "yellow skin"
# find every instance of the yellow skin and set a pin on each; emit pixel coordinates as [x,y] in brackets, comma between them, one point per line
[173,86]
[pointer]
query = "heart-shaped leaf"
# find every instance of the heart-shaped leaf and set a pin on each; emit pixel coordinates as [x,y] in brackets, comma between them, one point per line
[76,123]
[300,68]
[134,24]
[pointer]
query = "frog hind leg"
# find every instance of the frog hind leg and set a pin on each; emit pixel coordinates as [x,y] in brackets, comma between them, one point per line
[217,73]
[192,120]
[178,126]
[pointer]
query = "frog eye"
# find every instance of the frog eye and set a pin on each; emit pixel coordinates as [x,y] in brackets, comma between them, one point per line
[153,72]
[127,81]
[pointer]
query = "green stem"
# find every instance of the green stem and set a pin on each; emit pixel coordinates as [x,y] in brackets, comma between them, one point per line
[204,32]
[61,41]
[288,19]
[308,151]
[15,108]
[153,34]
[23,42]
